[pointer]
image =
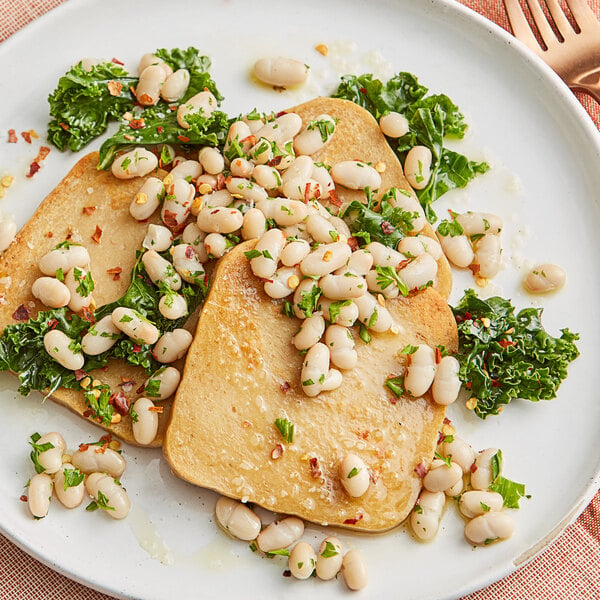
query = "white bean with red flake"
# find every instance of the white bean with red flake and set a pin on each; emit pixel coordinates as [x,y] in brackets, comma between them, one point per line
[162,383]
[489,527]
[269,246]
[417,167]
[134,325]
[51,292]
[426,516]
[302,560]
[116,502]
[173,306]
[481,471]
[316,134]
[241,167]
[237,519]
[91,458]
[157,238]
[187,169]
[460,451]
[325,259]
[329,558]
[193,235]
[457,248]
[172,345]
[344,313]
[371,314]
[175,86]
[479,223]
[420,370]
[100,337]
[187,263]
[149,85]
[64,259]
[160,270]
[475,502]
[240,187]
[63,350]
[317,376]
[340,342]
[283,282]
[488,255]
[321,175]
[51,459]
[148,199]
[302,190]
[135,163]
[254,224]
[69,494]
[355,175]
[343,287]
[280,534]
[145,426]
[280,71]
[39,494]
[310,332]
[446,383]
[178,202]
[545,278]
[354,475]
[204,103]
[419,272]
[442,476]
[393,124]
[216,245]
[220,219]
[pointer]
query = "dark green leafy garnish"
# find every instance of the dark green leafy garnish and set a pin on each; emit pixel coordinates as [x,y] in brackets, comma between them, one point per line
[73,477]
[37,449]
[511,491]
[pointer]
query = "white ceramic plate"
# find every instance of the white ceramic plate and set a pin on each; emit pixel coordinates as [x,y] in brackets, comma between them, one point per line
[544,152]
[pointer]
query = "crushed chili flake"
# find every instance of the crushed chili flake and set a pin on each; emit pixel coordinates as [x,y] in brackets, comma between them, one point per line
[507,343]
[64,126]
[474,468]
[97,235]
[287,573]
[114,87]
[88,315]
[115,272]
[315,470]
[117,61]
[322,49]
[285,387]
[156,409]
[128,137]
[277,452]
[496,383]
[160,129]
[137,123]
[421,469]
[21,313]
[136,349]
[183,138]
[33,169]
[52,323]
[387,227]
[438,356]
[12,136]
[333,199]
[88,210]
[86,413]
[353,521]
[23,498]
[80,374]
[121,402]
[26,135]
[353,243]
[170,219]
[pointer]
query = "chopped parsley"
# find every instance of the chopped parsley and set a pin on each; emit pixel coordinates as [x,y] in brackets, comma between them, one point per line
[286,429]
[37,450]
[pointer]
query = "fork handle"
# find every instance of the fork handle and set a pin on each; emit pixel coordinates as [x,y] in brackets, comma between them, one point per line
[589,83]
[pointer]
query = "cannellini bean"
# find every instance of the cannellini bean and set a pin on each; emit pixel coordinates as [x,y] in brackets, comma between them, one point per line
[387,288]
[204,103]
[544,278]
[280,534]
[340,342]
[342,228]
[39,494]
[59,346]
[160,270]
[294,252]
[417,167]
[217,198]
[354,475]
[488,250]
[283,282]
[8,230]
[280,71]
[321,230]
[489,527]
[446,384]
[420,370]
[455,490]
[240,167]
[212,160]
[355,175]
[145,427]
[172,345]
[261,153]
[296,232]
[187,169]
[413,246]
[394,125]
[205,184]
[237,519]
[343,287]
[474,503]
[69,496]
[51,460]
[354,570]
[216,245]
[187,263]
[316,375]
[302,560]
[310,332]
[329,558]
[478,223]
[193,236]
[220,219]
[162,383]
[178,203]
[149,84]
[325,258]
[306,288]
[254,121]
[51,292]
[267,177]
[64,259]
[157,238]
[458,249]
[284,211]
[344,312]
[372,314]
[134,325]
[148,60]
[427,514]
[148,199]
[173,306]
[419,272]
[441,476]
[100,337]
[91,459]
[175,86]
[270,245]
[317,133]
[135,163]
[321,175]
[384,256]
[239,133]
[460,452]
[359,263]
[281,129]
[481,472]
[117,501]
[239,187]
[254,224]
[80,284]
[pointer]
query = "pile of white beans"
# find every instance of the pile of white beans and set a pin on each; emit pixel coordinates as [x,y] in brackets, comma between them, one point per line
[101,465]
[240,521]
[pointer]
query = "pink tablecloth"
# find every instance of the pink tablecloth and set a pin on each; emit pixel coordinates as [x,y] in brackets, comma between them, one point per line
[569,569]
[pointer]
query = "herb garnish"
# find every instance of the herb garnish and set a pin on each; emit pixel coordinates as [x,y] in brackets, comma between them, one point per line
[286,429]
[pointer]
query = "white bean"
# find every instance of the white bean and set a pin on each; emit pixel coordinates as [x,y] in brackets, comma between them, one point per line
[187,169]
[178,203]
[80,284]
[135,163]
[134,325]
[149,84]
[175,86]
[59,346]
[479,223]
[460,452]
[302,560]
[70,496]
[254,224]
[162,383]
[325,258]
[343,313]
[329,558]
[239,187]
[488,250]
[354,475]
[310,332]
[354,570]
[51,460]
[284,211]
[237,518]
[145,427]
[394,125]
[240,167]
[204,103]
[294,252]
[39,494]
[92,458]
[317,133]
[427,514]
[296,232]
[239,133]
[64,259]
[419,272]
[458,249]
[117,502]
[372,314]
[413,246]
[420,370]
[474,503]
[193,236]
[283,282]
[489,527]
[321,230]
[359,263]
[172,345]
[383,256]
[8,230]
[270,245]
[280,71]
[173,306]
[342,228]
[340,342]
[51,292]
[267,177]
[220,219]
[157,238]
[280,534]
[148,199]
[481,471]
[321,175]
[446,383]
[261,153]
[281,129]
[217,198]
[100,337]
[387,288]
[355,175]
[212,160]
[187,263]
[544,278]
[160,270]
[441,476]
[417,167]
[151,59]
[316,375]
[216,245]
[343,287]
[306,289]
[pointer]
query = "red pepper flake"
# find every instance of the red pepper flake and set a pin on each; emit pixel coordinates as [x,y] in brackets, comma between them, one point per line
[21,314]
[88,210]
[280,114]
[251,139]
[285,387]
[115,272]
[287,573]
[438,356]
[33,169]
[275,161]
[496,383]
[353,243]
[64,126]
[114,87]
[44,151]
[447,421]
[474,268]
[12,136]
[136,349]
[156,409]
[97,235]
[102,449]
[88,315]
[353,521]
[52,323]
[141,389]
[333,199]
[421,469]
[363,90]
[80,374]
[137,123]
[277,452]
[83,447]
[307,192]
[468,385]
[507,343]
[402,264]
[474,468]
[315,470]
[170,219]
[183,138]
[23,498]
[26,135]
[387,227]
[117,61]
[160,129]
[128,137]
[121,402]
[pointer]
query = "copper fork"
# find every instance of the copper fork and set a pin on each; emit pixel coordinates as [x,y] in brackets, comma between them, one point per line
[574,54]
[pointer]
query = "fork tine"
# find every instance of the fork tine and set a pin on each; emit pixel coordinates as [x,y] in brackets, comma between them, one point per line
[546,33]
[520,26]
[582,12]
[560,20]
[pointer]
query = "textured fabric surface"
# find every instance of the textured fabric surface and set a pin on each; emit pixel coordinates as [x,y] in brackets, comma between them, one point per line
[569,569]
